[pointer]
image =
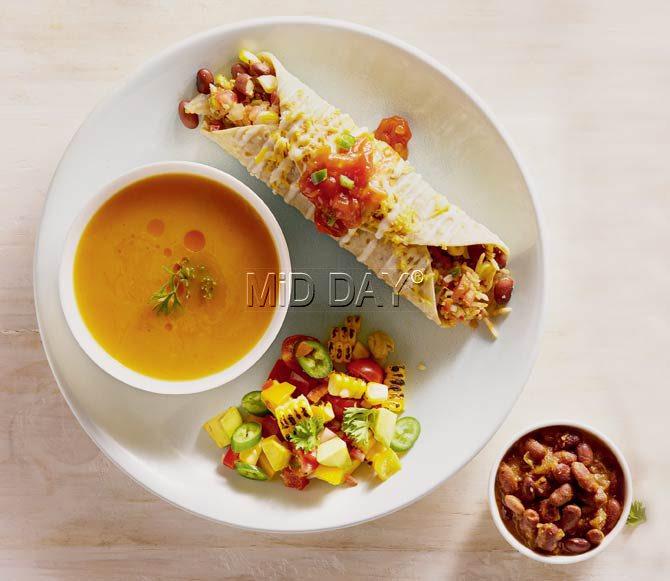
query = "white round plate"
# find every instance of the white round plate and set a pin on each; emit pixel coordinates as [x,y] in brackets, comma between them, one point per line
[471,382]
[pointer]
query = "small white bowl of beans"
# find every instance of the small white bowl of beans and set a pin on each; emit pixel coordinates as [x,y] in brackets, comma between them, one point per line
[560,492]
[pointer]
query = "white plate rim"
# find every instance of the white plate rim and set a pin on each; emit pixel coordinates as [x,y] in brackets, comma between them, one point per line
[419,54]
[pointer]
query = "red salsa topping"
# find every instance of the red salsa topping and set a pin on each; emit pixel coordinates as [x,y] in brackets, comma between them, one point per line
[396,132]
[338,186]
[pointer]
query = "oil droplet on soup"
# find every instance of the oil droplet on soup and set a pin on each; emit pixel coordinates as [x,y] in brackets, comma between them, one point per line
[117,270]
[194,240]
[156,227]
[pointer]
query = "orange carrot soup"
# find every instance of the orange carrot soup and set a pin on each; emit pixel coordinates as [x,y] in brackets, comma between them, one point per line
[160,276]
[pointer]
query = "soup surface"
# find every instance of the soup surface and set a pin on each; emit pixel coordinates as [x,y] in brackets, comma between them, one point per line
[128,254]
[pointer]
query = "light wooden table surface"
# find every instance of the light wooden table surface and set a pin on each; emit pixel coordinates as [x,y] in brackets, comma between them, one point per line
[583,89]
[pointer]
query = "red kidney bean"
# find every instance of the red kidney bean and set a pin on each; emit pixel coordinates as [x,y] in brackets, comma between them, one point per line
[570,516]
[584,477]
[501,257]
[535,450]
[542,487]
[561,473]
[613,512]
[576,546]
[203,79]
[260,68]
[190,120]
[237,69]
[527,488]
[550,437]
[561,495]
[595,536]
[514,504]
[528,523]
[548,512]
[585,454]
[568,440]
[502,291]
[244,85]
[507,479]
[600,497]
[474,252]
[565,457]
[548,536]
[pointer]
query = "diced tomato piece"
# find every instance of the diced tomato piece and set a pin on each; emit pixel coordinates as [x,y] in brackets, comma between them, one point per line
[367,369]
[293,480]
[396,132]
[229,459]
[501,257]
[306,462]
[280,372]
[340,403]
[356,454]
[342,196]
[268,383]
[302,382]
[349,481]
[270,427]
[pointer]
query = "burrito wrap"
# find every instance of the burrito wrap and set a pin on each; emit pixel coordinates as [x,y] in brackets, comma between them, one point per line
[415,215]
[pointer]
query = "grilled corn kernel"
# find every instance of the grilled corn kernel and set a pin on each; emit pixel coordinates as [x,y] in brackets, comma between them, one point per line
[353,322]
[223,82]
[341,344]
[290,413]
[395,379]
[380,345]
[265,58]
[324,412]
[343,385]
[247,57]
[267,118]
[268,82]
[486,272]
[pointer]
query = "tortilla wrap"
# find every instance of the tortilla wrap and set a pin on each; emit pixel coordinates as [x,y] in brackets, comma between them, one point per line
[415,215]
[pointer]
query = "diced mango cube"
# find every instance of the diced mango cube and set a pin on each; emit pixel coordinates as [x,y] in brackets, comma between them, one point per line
[330,474]
[251,455]
[386,464]
[384,426]
[333,452]
[277,394]
[354,464]
[215,430]
[277,454]
[231,420]
[265,465]
[376,393]
[374,449]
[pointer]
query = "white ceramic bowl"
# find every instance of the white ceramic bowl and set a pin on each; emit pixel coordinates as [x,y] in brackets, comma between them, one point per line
[81,332]
[561,559]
